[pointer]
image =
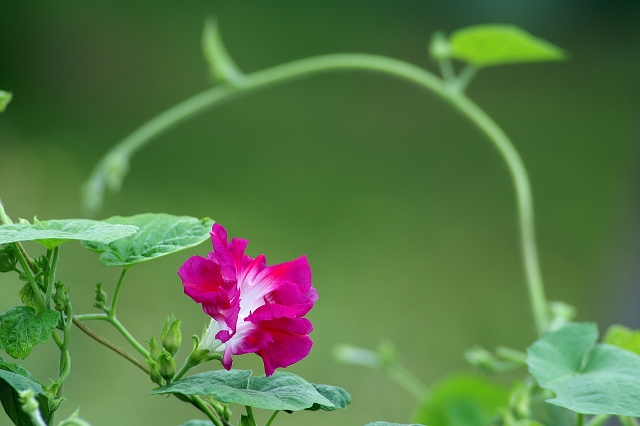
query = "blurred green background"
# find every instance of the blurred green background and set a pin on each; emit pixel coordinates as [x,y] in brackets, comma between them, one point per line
[405,211]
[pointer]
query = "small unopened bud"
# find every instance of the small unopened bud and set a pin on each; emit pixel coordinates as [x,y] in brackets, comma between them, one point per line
[166,366]
[172,337]
[61,297]
[154,372]
[440,48]
[101,297]
[482,358]
[226,412]
[154,348]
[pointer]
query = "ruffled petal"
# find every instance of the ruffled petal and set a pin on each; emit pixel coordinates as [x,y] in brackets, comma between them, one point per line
[286,348]
[200,278]
[296,271]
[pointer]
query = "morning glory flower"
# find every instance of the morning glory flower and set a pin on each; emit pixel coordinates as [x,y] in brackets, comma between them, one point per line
[254,308]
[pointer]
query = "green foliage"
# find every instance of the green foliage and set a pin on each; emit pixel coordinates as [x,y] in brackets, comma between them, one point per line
[280,391]
[198,423]
[623,337]
[52,233]
[21,329]
[499,44]
[339,397]
[462,401]
[222,66]
[159,234]
[14,379]
[28,297]
[5,98]
[586,377]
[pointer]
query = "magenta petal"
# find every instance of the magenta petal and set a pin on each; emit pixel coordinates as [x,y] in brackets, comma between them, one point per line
[286,349]
[257,308]
[296,271]
[200,277]
[221,252]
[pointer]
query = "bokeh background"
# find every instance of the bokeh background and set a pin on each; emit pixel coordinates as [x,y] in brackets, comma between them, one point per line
[405,211]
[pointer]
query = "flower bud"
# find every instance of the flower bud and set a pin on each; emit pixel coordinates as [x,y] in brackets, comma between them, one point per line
[101,297]
[154,372]
[154,348]
[61,297]
[166,365]
[172,338]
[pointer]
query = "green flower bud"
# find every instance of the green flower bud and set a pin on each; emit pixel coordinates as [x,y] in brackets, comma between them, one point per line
[154,348]
[101,297]
[197,355]
[61,297]
[166,365]
[172,338]
[226,412]
[154,372]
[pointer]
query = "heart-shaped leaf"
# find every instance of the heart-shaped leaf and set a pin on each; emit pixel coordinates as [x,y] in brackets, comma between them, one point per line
[159,234]
[14,378]
[52,233]
[586,377]
[339,397]
[462,401]
[280,391]
[21,329]
[498,44]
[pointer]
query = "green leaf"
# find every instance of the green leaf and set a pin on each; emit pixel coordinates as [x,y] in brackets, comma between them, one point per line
[221,65]
[586,377]
[462,401]
[5,98]
[21,329]
[623,337]
[159,234]
[28,297]
[246,421]
[498,44]
[280,391]
[339,397]
[52,233]
[14,378]
[198,423]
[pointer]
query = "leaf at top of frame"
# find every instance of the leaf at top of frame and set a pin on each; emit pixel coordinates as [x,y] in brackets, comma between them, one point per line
[159,234]
[499,44]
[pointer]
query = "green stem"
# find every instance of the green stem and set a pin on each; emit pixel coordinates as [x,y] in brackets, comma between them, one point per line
[524,201]
[628,421]
[273,416]
[65,357]
[198,402]
[27,272]
[250,414]
[92,317]
[598,420]
[113,166]
[185,367]
[108,344]
[407,381]
[51,276]
[116,293]
[580,421]
[121,328]
[57,340]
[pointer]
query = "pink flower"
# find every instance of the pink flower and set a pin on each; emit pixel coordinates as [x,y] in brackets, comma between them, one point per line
[254,307]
